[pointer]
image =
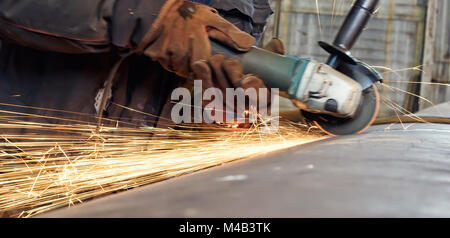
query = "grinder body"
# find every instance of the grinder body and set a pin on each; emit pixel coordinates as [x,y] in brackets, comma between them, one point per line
[316,87]
[340,97]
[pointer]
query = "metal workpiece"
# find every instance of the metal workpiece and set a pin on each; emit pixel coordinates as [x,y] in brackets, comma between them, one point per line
[389,171]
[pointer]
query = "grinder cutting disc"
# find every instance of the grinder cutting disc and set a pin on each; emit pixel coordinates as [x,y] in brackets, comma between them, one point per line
[363,119]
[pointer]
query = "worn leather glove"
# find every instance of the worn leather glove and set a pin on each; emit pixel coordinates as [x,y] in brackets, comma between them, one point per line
[276,46]
[222,73]
[180,35]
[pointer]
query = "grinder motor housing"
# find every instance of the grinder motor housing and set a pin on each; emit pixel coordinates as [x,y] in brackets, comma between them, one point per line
[319,87]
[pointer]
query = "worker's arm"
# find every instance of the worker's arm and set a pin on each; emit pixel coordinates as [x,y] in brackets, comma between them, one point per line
[172,32]
[81,26]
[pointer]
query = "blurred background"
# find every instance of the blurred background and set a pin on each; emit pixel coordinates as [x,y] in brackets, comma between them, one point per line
[408,41]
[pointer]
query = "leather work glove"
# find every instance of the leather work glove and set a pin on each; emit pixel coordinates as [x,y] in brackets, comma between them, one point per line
[221,72]
[276,46]
[180,35]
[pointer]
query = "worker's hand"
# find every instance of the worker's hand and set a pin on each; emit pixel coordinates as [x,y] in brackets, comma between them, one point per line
[222,73]
[180,35]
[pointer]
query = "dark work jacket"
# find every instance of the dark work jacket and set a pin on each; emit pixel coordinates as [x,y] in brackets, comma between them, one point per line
[56,54]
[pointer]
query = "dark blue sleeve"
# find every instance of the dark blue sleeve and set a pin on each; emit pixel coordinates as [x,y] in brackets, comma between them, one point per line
[249,15]
[77,26]
[202,1]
